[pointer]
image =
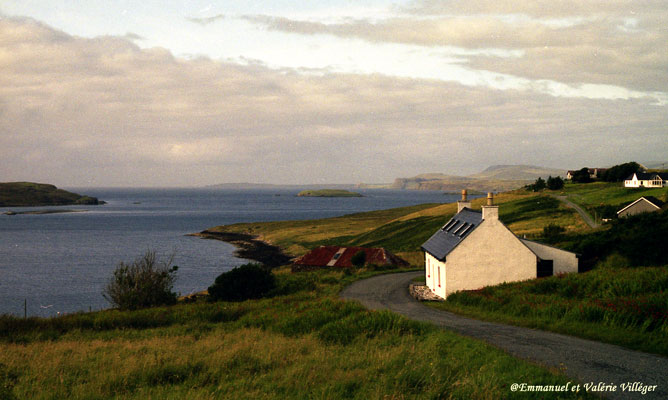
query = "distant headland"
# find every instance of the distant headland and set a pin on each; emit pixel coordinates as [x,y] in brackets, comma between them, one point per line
[29,194]
[328,193]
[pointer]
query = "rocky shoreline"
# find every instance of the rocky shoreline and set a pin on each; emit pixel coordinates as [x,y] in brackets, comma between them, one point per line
[41,212]
[250,247]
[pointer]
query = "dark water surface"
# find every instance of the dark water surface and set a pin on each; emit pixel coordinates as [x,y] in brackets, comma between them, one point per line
[61,262]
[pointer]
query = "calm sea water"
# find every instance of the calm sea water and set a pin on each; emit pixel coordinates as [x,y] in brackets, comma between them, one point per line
[60,263]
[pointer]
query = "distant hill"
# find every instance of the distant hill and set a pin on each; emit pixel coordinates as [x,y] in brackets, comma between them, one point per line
[245,185]
[27,194]
[495,178]
[658,165]
[518,172]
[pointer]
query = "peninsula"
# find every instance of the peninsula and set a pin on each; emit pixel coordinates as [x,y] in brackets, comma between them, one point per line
[29,194]
[328,193]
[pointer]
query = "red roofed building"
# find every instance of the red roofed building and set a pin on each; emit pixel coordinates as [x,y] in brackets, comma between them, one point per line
[340,257]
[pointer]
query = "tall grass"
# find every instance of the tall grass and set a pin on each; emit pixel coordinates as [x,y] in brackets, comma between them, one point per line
[303,344]
[623,306]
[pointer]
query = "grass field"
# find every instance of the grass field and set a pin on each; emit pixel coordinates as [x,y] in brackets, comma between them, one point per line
[595,197]
[623,306]
[305,343]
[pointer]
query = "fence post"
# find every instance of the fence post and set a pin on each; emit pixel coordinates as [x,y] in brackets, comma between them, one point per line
[25,308]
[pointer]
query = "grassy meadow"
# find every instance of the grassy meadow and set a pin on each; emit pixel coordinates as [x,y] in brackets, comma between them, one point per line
[303,342]
[613,304]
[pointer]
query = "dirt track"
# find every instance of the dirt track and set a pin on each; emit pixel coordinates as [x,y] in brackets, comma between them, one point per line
[583,360]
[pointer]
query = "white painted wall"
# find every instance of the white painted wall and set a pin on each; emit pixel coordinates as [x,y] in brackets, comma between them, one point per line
[432,266]
[490,255]
[564,262]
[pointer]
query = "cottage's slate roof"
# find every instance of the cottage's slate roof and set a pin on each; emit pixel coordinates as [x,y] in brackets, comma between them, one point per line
[441,243]
[654,201]
[645,176]
[650,199]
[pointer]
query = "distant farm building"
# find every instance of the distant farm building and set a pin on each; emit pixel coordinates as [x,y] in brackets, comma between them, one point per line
[475,249]
[593,172]
[645,179]
[642,205]
[341,257]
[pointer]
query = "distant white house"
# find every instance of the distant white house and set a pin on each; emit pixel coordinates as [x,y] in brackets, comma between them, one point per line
[645,179]
[474,249]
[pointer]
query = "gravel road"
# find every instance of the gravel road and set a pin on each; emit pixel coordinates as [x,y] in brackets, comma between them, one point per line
[583,360]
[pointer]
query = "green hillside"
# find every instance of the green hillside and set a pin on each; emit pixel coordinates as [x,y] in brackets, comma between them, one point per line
[27,194]
[304,343]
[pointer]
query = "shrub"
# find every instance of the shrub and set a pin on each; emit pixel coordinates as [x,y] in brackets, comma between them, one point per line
[358,259]
[620,172]
[537,186]
[553,232]
[581,176]
[145,282]
[555,183]
[249,281]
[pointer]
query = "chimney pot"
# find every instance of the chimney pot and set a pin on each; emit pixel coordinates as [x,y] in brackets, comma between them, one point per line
[490,199]
[463,203]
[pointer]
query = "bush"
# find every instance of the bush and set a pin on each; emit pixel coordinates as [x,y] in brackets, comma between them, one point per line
[358,259]
[249,281]
[146,282]
[555,183]
[553,232]
[620,172]
[537,186]
[581,176]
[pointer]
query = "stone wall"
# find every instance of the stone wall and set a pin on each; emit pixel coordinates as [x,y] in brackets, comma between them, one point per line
[422,292]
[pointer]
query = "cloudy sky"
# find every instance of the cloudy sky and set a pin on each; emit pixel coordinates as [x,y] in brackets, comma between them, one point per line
[190,93]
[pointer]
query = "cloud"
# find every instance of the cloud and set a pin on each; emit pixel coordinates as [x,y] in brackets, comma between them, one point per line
[204,21]
[103,111]
[615,43]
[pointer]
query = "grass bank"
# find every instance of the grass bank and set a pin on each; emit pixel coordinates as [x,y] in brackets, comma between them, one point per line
[302,343]
[623,306]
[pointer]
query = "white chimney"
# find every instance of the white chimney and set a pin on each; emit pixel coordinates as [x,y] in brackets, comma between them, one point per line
[490,211]
[461,204]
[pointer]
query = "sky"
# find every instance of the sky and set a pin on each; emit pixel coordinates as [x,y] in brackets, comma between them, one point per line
[194,93]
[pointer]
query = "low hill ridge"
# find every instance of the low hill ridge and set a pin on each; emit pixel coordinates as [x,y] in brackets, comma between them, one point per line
[29,194]
[495,178]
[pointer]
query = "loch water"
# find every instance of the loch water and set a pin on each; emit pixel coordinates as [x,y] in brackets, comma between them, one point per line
[60,262]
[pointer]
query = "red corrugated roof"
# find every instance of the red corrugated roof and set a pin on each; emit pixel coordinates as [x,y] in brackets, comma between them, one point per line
[321,257]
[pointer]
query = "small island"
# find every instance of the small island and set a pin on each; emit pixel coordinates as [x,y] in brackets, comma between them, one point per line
[29,194]
[328,193]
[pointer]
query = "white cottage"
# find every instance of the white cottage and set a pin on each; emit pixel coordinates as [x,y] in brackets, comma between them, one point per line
[475,249]
[645,179]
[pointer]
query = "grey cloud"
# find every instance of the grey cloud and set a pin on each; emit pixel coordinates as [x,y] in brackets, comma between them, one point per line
[207,20]
[572,42]
[105,112]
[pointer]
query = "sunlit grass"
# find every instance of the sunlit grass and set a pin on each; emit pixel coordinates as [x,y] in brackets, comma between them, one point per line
[307,344]
[624,306]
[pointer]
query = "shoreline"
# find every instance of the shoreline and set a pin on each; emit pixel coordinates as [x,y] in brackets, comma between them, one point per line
[249,247]
[41,212]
